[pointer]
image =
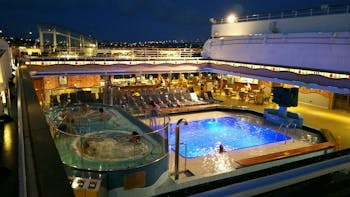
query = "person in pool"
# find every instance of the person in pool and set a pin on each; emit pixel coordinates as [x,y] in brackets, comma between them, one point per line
[135,138]
[87,149]
[103,114]
[67,120]
[85,108]
[154,113]
[221,148]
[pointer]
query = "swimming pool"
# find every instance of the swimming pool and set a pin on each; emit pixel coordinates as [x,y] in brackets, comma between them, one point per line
[203,137]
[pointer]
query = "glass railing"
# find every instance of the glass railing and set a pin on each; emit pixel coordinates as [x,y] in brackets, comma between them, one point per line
[122,54]
[91,142]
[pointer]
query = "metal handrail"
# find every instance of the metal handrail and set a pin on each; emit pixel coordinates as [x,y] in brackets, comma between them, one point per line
[322,10]
[286,127]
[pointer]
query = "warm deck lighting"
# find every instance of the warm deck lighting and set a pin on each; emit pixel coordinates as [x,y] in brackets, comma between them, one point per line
[231,18]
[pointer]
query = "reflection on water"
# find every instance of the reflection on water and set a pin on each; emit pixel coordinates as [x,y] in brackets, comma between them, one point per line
[219,162]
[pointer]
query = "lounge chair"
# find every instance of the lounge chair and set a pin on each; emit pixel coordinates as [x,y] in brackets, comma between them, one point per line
[194,98]
[54,100]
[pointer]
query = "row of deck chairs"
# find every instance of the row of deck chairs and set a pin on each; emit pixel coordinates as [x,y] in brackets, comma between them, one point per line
[76,97]
[140,100]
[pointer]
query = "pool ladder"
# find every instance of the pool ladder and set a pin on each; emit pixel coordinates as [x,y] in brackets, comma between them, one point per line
[287,127]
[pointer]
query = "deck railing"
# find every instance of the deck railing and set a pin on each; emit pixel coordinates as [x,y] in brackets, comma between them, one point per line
[322,10]
[40,171]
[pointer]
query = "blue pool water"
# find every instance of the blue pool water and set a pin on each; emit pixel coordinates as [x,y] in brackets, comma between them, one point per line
[203,137]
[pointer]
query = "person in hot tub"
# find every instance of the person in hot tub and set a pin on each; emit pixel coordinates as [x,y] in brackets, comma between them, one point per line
[87,148]
[154,113]
[135,138]
[103,114]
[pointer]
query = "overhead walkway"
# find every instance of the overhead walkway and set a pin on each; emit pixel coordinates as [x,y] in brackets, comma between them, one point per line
[72,44]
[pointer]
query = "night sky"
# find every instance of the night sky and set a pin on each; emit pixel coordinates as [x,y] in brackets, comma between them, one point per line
[135,20]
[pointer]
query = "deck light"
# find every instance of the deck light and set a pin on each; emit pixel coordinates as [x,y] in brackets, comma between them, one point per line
[231,18]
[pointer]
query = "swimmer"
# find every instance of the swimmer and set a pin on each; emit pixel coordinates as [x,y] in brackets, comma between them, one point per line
[85,109]
[135,138]
[221,148]
[87,149]
[62,114]
[154,113]
[67,116]
[103,114]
